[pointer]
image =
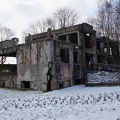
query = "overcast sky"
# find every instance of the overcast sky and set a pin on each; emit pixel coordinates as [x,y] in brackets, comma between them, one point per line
[17,14]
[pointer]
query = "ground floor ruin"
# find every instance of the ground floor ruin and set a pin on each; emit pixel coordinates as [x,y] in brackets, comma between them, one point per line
[58,59]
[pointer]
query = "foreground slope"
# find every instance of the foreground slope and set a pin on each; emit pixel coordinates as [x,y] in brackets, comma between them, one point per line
[78,103]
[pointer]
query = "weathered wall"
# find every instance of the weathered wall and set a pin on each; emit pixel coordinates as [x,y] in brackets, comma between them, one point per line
[49,63]
[32,63]
[61,73]
[7,80]
[66,74]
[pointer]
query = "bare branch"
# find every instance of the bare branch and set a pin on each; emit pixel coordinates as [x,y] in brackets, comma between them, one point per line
[65,17]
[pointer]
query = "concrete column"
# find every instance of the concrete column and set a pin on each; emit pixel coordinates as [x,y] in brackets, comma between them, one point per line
[71,63]
[93,36]
[79,39]
[49,32]
[71,55]
[67,38]
[83,58]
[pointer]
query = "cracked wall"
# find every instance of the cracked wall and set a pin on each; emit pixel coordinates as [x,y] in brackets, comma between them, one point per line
[32,63]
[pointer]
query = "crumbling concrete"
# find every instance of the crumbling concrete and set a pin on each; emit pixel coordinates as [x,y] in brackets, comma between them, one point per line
[60,58]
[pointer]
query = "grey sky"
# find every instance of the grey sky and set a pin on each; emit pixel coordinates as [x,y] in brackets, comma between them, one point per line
[17,14]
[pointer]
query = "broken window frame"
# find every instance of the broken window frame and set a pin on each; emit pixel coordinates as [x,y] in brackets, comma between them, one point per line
[64,55]
[75,41]
[88,40]
[69,38]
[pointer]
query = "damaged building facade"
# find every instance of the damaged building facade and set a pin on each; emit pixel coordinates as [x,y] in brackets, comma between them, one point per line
[57,59]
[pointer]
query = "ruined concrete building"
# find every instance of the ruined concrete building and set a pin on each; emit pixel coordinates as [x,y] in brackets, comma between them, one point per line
[57,59]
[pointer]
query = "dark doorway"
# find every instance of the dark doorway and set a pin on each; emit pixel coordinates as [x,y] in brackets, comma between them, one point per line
[77,81]
[60,85]
[3,84]
[25,84]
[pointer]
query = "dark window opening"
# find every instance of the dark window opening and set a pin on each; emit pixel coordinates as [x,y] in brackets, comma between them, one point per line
[75,57]
[105,47]
[77,81]
[98,46]
[3,84]
[99,59]
[116,50]
[60,85]
[109,61]
[64,55]
[87,41]
[73,38]
[25,84]
[62,37]
[89,59]
[9,67]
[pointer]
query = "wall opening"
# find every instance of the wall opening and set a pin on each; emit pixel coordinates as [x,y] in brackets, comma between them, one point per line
[98,46]
[77,81]
[75,57]
[3,84]
[25,84]
[73,38]
[89,59]
[87,41]
[62,37]
[64,55]
[99,59]
[60,85]
[49,78]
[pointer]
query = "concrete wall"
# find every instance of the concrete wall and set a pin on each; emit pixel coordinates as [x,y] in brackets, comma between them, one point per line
[32,63]
[40,62]
[7,80]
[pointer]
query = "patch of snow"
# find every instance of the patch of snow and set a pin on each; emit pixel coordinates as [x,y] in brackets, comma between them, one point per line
[102,76]
[73,103]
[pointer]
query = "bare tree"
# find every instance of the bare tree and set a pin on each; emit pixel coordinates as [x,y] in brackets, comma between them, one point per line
[104,19]
[5,33]
[65,17]
[62,17]
[35,27]
[51,23]
[117,20]
[107,22]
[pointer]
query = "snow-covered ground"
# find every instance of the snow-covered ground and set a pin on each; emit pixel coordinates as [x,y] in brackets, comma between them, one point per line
[73,103]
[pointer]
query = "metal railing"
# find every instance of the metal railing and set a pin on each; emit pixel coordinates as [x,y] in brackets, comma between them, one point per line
[104,67]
